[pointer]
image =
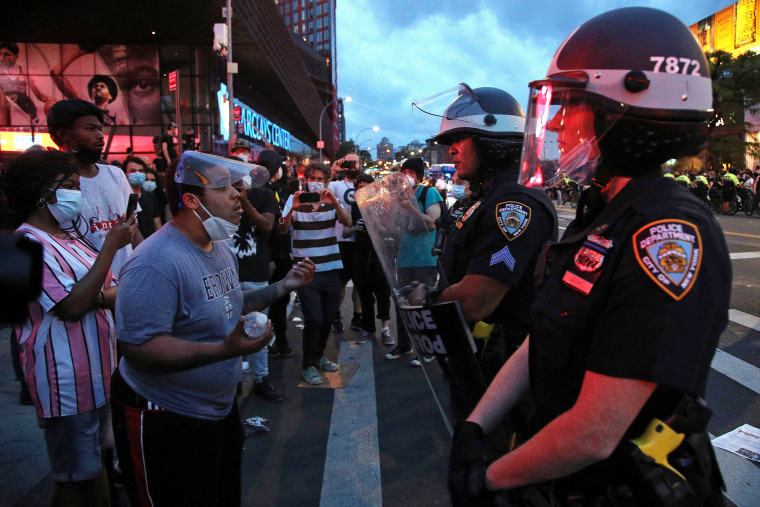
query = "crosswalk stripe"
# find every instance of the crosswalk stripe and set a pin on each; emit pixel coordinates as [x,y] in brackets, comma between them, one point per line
[744,319]
[736,369]
[744,255]
[352,463]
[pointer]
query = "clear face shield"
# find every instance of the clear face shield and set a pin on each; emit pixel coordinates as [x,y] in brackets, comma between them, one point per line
[211,171]
[451,110]
[565,125]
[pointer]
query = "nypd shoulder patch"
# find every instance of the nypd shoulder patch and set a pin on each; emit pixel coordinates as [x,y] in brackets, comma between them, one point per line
[670,251]
[513,218]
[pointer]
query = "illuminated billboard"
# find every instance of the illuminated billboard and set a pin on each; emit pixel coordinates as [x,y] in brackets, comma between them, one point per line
[123,80]
[250,124]
[733,29]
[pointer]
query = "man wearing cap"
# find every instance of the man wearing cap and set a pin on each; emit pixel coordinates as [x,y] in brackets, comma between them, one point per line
[178,319]
[250,244]
[168,146]
[241,149]
[280,252]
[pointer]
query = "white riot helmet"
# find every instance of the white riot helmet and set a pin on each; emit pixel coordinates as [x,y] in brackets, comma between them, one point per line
[492,117]
[627,90]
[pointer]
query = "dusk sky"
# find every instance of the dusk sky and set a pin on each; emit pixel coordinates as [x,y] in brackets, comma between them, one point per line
[393,52]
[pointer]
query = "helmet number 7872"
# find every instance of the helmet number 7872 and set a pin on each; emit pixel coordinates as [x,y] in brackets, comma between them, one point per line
[673,65]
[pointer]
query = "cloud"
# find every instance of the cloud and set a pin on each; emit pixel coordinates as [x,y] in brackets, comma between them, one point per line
[392,52]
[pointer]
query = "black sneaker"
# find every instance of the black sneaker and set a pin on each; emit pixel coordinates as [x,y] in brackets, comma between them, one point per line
[274,351]
[286,351]
[398,352]
[338,325]
[266,390]
[356,323]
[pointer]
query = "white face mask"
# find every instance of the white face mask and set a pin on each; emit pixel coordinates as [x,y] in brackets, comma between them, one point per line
[410,179]
[315,186]
[149,186]
[218,229]
[68,206]
[279,174]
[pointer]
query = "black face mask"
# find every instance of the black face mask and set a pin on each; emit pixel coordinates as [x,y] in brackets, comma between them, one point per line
[86,155]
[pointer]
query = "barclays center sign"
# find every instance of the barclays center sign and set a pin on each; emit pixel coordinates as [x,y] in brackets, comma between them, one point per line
[250,123]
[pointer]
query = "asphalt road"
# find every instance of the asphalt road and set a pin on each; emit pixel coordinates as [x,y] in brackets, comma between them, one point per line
[378,437]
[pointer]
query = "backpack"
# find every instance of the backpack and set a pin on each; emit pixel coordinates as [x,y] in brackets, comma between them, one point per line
[422,199]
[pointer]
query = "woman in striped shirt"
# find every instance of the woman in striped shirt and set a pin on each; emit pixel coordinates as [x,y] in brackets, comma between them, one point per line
[67,342]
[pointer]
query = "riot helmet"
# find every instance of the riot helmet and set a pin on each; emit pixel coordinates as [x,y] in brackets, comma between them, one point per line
[626,91]
[492,117]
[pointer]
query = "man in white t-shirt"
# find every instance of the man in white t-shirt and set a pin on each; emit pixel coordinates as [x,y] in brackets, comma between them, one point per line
[76,127]
[344,190]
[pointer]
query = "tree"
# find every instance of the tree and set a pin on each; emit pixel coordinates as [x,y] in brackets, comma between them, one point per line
[736,89]
[345,148]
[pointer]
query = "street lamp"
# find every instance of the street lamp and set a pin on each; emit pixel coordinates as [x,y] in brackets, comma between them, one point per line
[347,99]
[356,137]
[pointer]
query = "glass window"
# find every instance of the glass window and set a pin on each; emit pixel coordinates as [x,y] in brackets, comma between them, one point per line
[295,17]
[319,36]
[303,4]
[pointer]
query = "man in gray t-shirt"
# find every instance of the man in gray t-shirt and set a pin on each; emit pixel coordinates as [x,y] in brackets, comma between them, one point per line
[179,325]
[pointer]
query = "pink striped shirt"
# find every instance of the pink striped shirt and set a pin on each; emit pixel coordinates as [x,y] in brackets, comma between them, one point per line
[67,364]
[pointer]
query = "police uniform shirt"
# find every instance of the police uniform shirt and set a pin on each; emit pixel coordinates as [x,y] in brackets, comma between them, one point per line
[500,236]
[641,293]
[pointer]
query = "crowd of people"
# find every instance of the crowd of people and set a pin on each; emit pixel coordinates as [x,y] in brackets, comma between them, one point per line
[137,341]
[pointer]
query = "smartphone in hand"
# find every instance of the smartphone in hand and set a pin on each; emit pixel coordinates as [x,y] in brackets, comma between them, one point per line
[309,197]
[131,205]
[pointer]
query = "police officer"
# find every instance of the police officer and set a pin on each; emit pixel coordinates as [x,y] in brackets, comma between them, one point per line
[633,298]
[490,250]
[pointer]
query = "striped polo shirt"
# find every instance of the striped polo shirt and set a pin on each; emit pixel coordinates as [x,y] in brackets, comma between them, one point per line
[67,364]
[315,236]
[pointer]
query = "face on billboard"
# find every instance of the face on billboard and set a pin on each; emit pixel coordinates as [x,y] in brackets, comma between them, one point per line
[123,80]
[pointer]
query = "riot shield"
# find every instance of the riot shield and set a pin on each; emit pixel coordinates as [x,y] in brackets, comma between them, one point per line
[401,235]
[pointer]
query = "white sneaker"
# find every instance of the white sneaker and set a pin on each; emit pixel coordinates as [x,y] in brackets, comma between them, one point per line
[327,365]
[387,338]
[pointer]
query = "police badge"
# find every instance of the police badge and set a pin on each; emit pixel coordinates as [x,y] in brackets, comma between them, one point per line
[670,251]
[513,218]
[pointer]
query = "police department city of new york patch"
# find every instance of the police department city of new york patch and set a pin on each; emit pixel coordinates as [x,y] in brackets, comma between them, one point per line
[670,251]
[513,218]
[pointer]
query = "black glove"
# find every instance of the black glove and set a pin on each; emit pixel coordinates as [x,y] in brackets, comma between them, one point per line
[467,466]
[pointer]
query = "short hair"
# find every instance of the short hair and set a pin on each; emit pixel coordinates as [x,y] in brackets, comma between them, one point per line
[130,160]
[314,166]
[415,164]
[174,191]
[106,80]
[65,112]
[12,47]
[365,178]
[28,177]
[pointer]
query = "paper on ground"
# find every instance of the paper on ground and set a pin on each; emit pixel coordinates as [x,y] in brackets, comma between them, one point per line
[744,441]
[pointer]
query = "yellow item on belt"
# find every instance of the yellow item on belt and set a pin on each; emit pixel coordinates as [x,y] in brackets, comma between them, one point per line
[482,331]
[659,440]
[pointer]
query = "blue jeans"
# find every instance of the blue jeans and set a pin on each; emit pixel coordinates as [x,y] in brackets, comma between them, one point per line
[258,361]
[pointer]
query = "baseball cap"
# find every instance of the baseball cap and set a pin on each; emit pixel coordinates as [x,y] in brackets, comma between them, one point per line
[271,160]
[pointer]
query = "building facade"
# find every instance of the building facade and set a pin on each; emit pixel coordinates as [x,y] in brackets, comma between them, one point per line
[277,104]
[385,150]
[314,22]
